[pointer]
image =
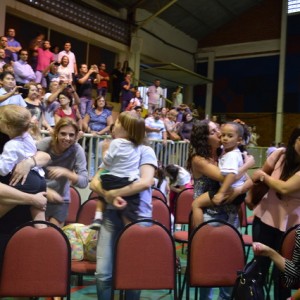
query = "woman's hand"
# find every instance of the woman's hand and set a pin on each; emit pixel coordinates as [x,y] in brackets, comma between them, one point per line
[21,171]
[261,249]
[56,172]
[40,201]
[53,196]
[119,203]
[249,160]
[257,175]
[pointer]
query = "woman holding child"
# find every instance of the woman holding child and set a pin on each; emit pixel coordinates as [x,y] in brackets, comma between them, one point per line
[203,163]
[126,127]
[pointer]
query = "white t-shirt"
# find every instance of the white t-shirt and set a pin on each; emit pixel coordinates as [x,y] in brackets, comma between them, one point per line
[230,162]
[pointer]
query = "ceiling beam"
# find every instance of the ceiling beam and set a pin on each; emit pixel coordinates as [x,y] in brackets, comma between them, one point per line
[156,14]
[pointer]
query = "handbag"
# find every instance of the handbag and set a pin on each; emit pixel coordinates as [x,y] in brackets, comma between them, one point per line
[249,283]
[256,193]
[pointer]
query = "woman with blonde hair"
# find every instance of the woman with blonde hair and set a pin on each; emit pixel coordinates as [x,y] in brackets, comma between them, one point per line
[67,166]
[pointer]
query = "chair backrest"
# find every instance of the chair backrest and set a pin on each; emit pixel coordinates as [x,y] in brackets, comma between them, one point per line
[161,212]
[288,245]
[216,252]
[144,258]
[36,263]
[86,213]
[93,195]
[243,215]
[158,194]
[183,206]
[74,205]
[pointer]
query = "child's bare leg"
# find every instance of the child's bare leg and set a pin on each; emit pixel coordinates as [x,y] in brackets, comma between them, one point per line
[5,208]
[38,215]
[197,207]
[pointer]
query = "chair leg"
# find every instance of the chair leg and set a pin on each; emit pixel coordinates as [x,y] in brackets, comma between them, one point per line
[80,280]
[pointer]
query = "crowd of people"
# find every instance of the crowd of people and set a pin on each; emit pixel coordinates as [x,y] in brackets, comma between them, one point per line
[51,92]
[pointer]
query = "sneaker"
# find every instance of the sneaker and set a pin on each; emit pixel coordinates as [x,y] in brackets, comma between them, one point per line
[96,224]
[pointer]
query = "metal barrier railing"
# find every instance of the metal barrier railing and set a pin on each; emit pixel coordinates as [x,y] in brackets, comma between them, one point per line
[171,153]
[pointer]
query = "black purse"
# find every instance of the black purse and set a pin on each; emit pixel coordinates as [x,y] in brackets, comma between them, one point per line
[249,283]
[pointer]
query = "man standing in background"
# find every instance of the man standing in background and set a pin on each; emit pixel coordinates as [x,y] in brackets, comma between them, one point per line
[155,94]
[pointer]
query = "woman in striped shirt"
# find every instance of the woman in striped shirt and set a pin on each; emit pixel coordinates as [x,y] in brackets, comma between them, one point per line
[290,268]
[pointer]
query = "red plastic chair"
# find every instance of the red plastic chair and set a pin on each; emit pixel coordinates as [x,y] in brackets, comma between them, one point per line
[248,240]
[86,212]
[161,212]
[158,194]
[74,205]
[144,258]
[215,254]
[183,208]
[36,263]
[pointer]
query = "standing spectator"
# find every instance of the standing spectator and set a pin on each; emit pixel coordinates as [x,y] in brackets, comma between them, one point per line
[84,85]
[22,70]
[51,101]
[271,148]
[155,94]
[44,59]
[155,130]
[126,92]
[55,50]
[185,129]
[13,45]
[8,54]
[126,69]
[64,70]
[52,72]
[72,59]
[9,91]
[102,80]
[254,136]
[279,209]
[177,96]
[116,80]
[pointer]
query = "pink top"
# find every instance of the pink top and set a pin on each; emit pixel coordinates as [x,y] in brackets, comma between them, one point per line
[279,213]
[45,57]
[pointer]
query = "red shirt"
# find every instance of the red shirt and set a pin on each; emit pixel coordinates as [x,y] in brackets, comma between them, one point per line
[103,83]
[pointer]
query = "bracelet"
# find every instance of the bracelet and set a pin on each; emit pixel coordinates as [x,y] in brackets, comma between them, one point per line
[33,158]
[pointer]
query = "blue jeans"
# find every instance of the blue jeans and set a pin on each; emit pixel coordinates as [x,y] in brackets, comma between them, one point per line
[111,226]
[224,292]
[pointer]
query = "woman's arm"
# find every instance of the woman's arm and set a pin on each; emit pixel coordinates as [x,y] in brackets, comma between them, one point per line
[109,121]
[261,249]
[145,182]
[10,195]
[22,169]
[78,176]
[85,123]
[56,118]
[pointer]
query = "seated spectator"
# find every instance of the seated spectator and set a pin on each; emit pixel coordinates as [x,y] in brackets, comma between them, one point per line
[171,125]
[181,109]
[139,110]
[67,109]
[2,59]
[8,68]
[35,106]
[9,91]
[22,70]
[13,45]
[8,54]
[136,101]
